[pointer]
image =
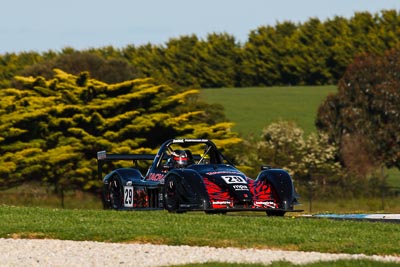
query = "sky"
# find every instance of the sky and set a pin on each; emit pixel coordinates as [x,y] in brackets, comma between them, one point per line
[42,25]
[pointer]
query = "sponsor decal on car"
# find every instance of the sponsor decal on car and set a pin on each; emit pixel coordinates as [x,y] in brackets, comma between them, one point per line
[221,202]
[265,204]
[240,187]
[222,172]
[156,176]
[189,140]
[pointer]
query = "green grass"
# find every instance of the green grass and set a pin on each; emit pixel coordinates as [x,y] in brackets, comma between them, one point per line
[352,205]
[198,229]
[254,108]
[393,177]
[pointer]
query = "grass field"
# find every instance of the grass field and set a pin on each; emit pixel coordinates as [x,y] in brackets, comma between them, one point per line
[254,108]
[199,229]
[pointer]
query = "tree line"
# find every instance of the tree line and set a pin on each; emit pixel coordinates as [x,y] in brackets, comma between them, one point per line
[311,53]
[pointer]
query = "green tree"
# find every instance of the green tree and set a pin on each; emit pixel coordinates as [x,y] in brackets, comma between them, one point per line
[312,51]
[388,28]
[365,40]
[339,46]
[265,53]
[111,70]
[12,63]
[51,129]
[219,58]
[148,59]
[181,61]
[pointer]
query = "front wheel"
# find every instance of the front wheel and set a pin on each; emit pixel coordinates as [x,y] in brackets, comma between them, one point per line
[171,196]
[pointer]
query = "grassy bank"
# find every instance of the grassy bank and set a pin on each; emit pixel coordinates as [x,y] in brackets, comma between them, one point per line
[198,229]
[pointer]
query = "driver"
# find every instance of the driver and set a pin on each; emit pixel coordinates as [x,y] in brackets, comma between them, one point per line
[179,159]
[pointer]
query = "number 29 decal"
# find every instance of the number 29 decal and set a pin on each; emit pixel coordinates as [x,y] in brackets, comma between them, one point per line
[128,196]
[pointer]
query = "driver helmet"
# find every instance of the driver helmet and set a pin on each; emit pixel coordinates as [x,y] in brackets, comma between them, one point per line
[180,159]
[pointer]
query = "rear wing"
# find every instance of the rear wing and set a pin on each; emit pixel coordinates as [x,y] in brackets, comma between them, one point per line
[103,157]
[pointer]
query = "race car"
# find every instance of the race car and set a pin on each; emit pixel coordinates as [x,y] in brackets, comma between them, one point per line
[193,175]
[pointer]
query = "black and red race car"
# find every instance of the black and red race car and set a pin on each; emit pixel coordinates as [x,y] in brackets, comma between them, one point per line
[193,175]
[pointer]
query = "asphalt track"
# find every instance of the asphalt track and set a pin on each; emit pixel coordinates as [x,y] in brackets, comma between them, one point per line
[380,217]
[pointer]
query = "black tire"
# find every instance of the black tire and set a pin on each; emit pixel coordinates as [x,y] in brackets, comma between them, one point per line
[105,197]
[279,213]
[171,195]
[115,192]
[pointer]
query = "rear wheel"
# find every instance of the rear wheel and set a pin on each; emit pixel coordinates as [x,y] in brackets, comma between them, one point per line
[115,192]
[171,196]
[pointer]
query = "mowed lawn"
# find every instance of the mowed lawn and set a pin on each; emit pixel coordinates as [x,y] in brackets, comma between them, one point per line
[253,108]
